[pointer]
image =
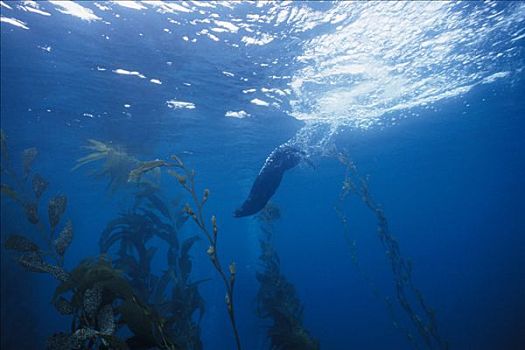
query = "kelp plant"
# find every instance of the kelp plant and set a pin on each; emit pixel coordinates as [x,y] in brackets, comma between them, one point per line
[277,299]
[186,178]
[408,295]
[48,255]
[98,297]
[26,189]
[132,232]
[101,302]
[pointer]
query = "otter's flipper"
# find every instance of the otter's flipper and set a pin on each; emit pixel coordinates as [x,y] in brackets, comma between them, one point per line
[282,158]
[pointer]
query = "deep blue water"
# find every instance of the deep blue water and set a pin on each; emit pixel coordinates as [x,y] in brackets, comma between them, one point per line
[426,99]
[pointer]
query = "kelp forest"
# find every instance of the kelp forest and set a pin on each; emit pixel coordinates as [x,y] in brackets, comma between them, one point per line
[117,299]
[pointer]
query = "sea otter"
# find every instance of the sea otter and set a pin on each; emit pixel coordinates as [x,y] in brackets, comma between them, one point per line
[283,158]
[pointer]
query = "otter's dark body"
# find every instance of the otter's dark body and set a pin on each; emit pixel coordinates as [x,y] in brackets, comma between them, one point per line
[283,158]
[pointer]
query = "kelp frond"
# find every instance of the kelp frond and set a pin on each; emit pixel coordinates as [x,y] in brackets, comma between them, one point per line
[116,166]
[10,192]
[39,185]
[144,167]
[64,239]
[55,208]
[100,151]
[28,157]
[98,146]
[20,244]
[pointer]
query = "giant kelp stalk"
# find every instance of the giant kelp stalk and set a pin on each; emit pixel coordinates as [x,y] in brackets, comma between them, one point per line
[408,295]
[277,299]
[132,233]
[186,179]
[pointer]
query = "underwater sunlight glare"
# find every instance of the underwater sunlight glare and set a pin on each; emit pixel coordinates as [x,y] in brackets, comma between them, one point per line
[385,56]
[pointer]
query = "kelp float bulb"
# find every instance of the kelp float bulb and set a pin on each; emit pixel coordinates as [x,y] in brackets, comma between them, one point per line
[177,159]
[190,212]
[211,252]
[180,178]
[228,302]
[232,268]
[205,195]
[214,224]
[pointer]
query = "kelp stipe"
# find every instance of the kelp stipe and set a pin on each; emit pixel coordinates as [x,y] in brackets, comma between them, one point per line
[277,299]
[186,178]
[409,297]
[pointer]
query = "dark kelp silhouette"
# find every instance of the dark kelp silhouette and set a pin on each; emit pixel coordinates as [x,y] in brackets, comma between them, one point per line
[172,294]
[45,252]
[184,292]
[282,159]
[277,299]
[47,256]
[112,305]
[408,295]
[102,300]
[22,189]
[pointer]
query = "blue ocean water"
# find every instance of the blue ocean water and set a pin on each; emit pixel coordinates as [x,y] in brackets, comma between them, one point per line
[425,98]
